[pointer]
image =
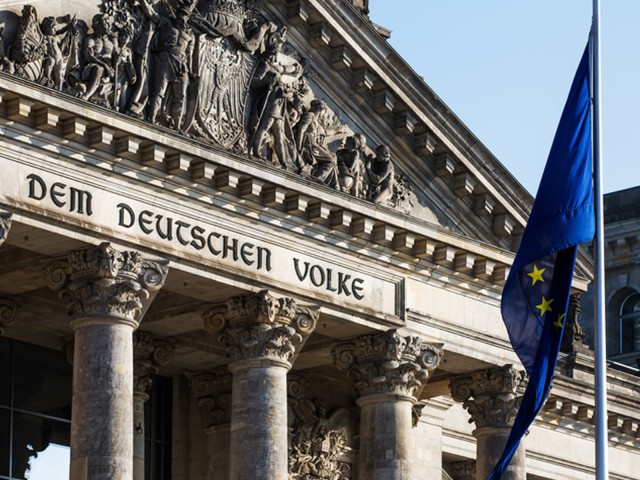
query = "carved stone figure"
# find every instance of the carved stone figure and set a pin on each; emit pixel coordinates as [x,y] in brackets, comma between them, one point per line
[28,48]
[61,54]
[221,73]
[274,83]
[227,18]
[381,176]
[97,78]
[146,18]
[311,132]
[351,165]
[172,46]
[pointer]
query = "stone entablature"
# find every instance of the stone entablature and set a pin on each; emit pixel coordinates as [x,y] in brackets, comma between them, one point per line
[237,49]
[183,166]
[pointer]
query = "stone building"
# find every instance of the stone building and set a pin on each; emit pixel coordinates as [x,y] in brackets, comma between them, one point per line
[622,281]
[243,240]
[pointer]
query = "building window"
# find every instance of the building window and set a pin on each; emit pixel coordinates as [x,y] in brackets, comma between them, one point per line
[35,412]
[630,324]
[157,413]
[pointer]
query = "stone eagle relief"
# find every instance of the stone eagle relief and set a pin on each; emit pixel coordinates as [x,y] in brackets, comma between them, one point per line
[214,70]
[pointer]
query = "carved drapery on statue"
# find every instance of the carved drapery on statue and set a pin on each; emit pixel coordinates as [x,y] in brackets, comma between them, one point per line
[215,70]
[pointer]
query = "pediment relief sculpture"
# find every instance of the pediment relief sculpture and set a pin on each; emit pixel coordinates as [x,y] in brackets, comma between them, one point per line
[214,70]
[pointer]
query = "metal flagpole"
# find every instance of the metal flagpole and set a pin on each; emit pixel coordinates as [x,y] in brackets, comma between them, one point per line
[602,467]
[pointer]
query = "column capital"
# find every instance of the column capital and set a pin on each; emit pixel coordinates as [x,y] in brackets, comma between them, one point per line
[149,354]
[5,225]
[212,390]
[388,363]
[104,282]
[490,396]
[8,313]
[261,328]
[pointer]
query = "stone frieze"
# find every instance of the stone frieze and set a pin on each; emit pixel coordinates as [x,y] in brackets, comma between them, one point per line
[214,70]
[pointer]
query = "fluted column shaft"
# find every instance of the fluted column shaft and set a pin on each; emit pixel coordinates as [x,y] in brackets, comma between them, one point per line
[492,399]
[263,335]
[389,371]
[107,290]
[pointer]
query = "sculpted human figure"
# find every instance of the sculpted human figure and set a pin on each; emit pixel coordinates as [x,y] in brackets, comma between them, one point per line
[351,165]
[58,51]
[148,18]
[310,137]
[172,46]
[97,77]
[275,84]
[380,176]
[230,19]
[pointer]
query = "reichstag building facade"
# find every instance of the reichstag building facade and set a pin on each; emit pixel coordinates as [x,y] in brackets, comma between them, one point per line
[243,240]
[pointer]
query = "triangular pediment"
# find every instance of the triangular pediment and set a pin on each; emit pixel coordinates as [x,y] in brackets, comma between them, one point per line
[305,91]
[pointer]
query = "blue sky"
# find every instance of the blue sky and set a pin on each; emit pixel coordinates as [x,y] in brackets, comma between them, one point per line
[505,67]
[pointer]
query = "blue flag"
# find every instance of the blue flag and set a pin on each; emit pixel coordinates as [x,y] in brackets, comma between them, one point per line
[536,295]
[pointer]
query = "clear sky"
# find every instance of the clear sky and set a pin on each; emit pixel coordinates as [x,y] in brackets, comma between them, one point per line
[505,67]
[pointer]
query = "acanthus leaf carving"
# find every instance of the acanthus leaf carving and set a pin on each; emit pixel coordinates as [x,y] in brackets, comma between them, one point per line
[388,363]
[215,70]
[491,396]
[149,354]
[8,313]
[261,326]
[212,390]
[102,281]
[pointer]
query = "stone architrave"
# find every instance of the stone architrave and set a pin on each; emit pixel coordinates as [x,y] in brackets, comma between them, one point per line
[492,398]
[263,335]
[389,371]
[149,353]
[8,313]
[212,390]
[5,225]
[108,290]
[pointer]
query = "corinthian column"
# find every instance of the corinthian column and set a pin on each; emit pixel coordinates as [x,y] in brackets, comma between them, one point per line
[107,290]
[389,372]
[149,353]
[263,335]
[491,398]
[212,389]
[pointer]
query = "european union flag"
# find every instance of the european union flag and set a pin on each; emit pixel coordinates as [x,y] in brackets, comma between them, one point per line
[536,294]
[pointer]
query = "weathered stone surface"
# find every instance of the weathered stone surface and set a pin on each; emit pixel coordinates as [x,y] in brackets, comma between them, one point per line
[108,290]
[492,398]
[389,372]
[262,335]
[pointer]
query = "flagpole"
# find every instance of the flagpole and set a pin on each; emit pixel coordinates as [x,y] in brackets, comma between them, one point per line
[602,467]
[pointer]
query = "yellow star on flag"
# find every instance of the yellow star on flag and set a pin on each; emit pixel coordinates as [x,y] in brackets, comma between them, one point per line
[558,322]
[536,274]
[545,306]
